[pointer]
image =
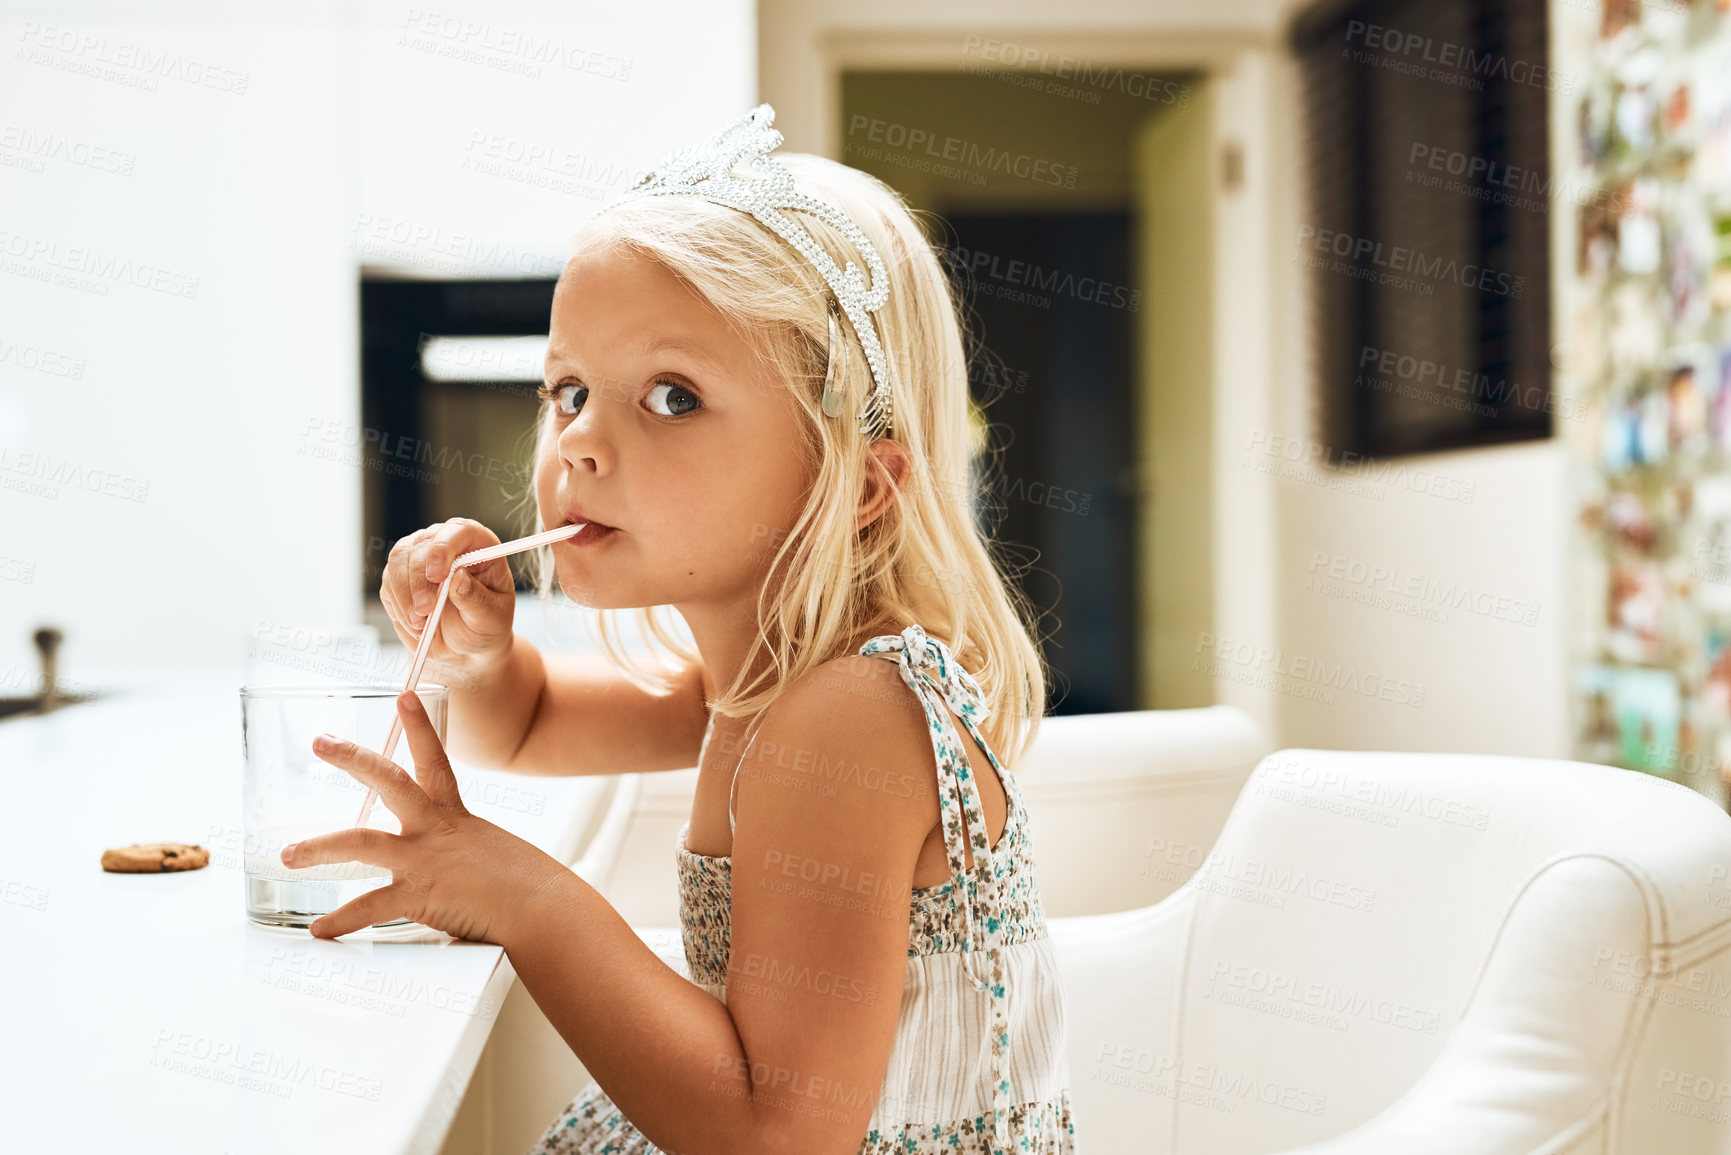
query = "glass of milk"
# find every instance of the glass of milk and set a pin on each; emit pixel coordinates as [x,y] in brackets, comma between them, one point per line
[288,793]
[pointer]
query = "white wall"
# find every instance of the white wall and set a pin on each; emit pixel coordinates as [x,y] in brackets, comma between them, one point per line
[272,150]
[1487,684]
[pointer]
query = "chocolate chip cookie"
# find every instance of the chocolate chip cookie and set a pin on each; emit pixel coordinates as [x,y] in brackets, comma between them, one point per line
[154,858]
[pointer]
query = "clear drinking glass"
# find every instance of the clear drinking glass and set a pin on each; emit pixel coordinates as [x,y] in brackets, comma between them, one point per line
[288,793]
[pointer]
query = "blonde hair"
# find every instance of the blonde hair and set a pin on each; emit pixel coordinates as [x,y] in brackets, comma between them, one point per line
[924,559]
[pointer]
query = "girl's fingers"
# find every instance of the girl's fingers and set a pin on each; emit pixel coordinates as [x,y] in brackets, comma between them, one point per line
[432,768]
[401,618]
[375,906]
[400,575]
[357,844]
[394,787]
[448,540]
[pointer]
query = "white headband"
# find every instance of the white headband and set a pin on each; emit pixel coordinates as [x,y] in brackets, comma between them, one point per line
[706,171]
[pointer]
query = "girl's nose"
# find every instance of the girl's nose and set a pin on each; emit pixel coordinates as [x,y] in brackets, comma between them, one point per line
[585,443]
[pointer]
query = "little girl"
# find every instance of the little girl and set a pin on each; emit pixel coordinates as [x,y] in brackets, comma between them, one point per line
[775,441]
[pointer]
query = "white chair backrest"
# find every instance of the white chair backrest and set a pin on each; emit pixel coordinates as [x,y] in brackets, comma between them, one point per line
[1123,807]
[631,859]
[1314,968]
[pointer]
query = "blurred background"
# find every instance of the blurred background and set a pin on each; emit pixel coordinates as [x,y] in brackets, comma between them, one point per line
[1363,365]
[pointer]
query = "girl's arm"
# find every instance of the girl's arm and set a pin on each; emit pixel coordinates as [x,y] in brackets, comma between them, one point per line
[832,807]
[568,714]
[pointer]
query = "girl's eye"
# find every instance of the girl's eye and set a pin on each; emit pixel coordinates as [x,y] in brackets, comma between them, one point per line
[569,399]
[565,397]
[683,399]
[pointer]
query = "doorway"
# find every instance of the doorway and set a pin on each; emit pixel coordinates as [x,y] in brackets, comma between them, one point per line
[1035,200]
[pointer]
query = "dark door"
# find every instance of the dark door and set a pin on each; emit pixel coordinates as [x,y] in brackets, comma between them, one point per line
[1050,301]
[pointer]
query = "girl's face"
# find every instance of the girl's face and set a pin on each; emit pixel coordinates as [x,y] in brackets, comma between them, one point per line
[665,426]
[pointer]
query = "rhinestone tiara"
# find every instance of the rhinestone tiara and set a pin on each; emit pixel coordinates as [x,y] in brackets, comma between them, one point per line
[707,171]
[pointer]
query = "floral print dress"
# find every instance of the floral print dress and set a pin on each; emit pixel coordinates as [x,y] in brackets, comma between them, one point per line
[979,1065]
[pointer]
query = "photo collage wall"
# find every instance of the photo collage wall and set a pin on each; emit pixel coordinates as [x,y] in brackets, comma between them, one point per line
[1646,341]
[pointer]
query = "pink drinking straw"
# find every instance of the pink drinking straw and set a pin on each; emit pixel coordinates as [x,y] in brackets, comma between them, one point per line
[473,557]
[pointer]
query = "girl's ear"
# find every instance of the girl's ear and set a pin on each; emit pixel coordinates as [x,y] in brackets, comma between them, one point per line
[887,472]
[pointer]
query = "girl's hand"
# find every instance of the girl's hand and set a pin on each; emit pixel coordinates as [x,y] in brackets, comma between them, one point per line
[475,627]
[449,869]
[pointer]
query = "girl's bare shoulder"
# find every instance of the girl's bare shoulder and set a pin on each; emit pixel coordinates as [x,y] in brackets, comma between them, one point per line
[852,725]
[872,684]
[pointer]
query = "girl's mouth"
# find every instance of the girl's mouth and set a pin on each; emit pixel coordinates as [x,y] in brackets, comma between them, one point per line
[590,534]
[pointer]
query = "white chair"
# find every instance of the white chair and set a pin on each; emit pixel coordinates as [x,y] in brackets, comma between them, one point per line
[1419,954]
[1123,807]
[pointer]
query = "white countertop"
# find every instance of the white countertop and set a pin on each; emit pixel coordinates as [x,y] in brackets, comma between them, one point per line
[145,1012]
